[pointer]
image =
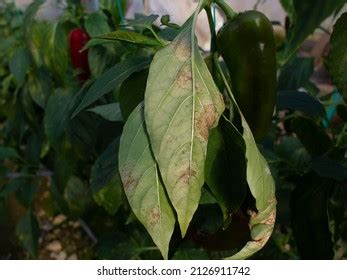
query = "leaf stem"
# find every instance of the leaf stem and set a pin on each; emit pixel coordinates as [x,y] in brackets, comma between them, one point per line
[212,29]
[228,11]
[157,37]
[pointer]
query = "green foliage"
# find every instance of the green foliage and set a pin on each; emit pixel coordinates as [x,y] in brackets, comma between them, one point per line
[110,80]
[304,25]
[105,180]
[338,54]
[152,138]
[27,231]
[142,182]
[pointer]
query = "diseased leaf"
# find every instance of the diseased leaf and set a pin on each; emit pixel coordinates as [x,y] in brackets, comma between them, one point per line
[142,182]
[111,79]
[110,112]
[182,104]
[262,187]
[337,60]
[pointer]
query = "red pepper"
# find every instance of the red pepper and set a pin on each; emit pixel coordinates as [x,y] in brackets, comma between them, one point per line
[77,39]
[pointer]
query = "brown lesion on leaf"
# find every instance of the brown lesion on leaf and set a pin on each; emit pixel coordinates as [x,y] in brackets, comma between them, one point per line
[128,179]
[272,200]
[184,177]
[154,215]
[205,121]
[184,78]
[182,50]
[270,220]
[262,241]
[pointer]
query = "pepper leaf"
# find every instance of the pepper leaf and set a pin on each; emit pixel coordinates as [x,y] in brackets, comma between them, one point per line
[262,187]
[337,61]
[142,184]
[305,25]
[182,104]
[130,37]
[109,112]
[111,79]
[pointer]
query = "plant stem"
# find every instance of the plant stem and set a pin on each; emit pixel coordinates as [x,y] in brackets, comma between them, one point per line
[229,12]
[212,29]
[157,37]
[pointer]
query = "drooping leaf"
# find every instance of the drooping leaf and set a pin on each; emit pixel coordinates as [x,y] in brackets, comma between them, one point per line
[105,180]
[130,37]
[225,167]
[27,231]
[261,185]
[182,104]
[309,15]
[142,182]
[19,64]
[300,101]
[110,112]
[111,79]
[337,60]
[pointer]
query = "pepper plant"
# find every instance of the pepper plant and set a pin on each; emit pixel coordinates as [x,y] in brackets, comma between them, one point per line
[168,144]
